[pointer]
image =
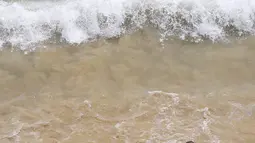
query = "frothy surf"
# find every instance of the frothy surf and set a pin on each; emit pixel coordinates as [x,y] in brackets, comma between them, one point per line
[24,23]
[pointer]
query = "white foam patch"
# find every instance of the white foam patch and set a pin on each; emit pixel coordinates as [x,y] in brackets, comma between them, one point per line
[174,96]
[25,23]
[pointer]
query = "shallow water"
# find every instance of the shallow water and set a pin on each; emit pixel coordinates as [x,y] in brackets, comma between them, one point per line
[129,90]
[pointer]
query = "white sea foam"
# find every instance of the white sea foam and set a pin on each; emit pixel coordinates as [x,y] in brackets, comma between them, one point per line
[29,22]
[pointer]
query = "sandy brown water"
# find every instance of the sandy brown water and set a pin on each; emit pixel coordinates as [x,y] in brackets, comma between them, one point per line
[129,90]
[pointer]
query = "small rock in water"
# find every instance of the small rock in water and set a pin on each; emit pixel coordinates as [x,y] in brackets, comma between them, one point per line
[190,142]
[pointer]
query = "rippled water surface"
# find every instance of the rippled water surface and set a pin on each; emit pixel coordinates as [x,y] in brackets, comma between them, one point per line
[127,71]
[129,90]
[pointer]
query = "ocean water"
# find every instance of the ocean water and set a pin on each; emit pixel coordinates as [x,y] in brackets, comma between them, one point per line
[127,71]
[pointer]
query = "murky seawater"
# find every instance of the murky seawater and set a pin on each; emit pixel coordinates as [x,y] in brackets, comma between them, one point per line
[129,90]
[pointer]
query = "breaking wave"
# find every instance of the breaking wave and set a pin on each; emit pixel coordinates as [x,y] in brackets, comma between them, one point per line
[24,23]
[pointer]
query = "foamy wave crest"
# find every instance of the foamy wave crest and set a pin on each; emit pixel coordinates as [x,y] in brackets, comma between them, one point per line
[77,21]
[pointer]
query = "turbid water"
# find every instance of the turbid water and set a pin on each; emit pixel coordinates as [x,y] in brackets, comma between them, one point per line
[86,72]
[129,90]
